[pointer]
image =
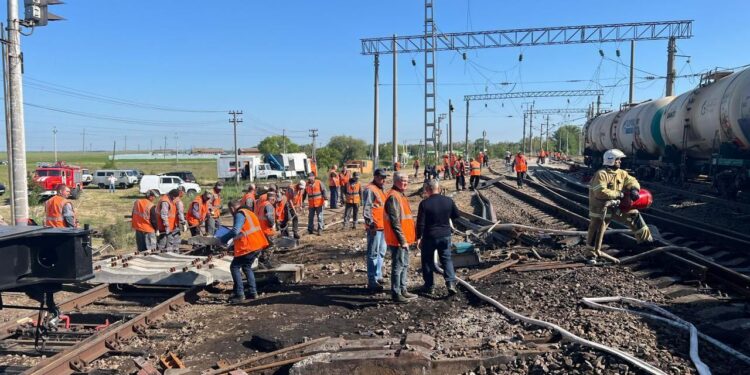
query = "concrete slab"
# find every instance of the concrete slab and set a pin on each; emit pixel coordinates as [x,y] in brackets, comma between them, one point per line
[284,273]
[163,269]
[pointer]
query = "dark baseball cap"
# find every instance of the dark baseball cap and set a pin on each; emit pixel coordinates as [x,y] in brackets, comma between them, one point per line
[380,173]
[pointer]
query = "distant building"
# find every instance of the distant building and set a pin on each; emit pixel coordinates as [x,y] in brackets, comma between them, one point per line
[211,151]
[248,151]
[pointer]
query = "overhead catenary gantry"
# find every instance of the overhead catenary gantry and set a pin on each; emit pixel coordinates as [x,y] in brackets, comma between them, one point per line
[432,41]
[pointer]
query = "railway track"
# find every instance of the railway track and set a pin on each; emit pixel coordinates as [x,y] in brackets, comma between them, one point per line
[96,323]
[700,289]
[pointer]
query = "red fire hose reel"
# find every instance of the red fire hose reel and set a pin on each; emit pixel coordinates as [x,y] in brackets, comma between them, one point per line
[643,202]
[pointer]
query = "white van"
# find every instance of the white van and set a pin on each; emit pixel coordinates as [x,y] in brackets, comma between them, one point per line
[166,183]
[126,178]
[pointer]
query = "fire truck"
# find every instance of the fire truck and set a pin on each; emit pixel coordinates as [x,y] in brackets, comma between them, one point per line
[48,176]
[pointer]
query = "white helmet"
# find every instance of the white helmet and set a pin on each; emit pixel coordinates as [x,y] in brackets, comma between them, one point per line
[302,184]
[611,155]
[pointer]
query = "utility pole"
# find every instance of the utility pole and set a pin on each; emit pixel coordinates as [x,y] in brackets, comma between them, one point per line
[523,140]
[164,153]
[466,145]
[671,49]
[395,102]
[54,141]
[450,128]
[177,149]
[283,139]
[546,137]
[234,121]
[632,69]
[484,141]
[8,138]
[83,142]
[531,130]
[375,145]
[439,134]
[313,135]
[114,150]
[17,133]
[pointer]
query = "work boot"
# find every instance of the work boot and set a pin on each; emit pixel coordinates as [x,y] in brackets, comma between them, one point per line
[377,288]
[397,298]
[296,236]
[426,290]
[319,232]
[251,296]
[237,299]
[451,288]
[405,293]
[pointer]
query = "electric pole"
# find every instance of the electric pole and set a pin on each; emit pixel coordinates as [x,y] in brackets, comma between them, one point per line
[177,149]
[632,62]
[313,135]
[450,128]
[523,140]
[395,102]
[484,141]
[17,132]
[236,120]
[375,145]
[54,141]
[164,153]
[466,146]
[83,141]
[283,139]
[531,130]
[8,122]
[546,137]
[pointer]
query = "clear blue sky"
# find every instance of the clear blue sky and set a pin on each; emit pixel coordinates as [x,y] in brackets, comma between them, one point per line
[297,65]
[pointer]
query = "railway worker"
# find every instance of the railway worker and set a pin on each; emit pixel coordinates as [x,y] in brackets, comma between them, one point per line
[353,197]
[166,219]
[507,159]
[265,211]
[520,165]
[434,234]
[344,177]
[316,197]
[460,172]
[475,170]
[446,168]
[263,197]
[485,160]
[59,211]
[416,167]
[609,184]
[249,241]
[248,199]
[399,232]
[182,225]
[541,156]
[295,196]
[373,211]
[144,221]
[199,213]
[333,186]
[397,166]
[214,219]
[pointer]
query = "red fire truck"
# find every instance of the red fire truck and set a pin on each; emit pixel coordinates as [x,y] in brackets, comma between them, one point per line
[48,176]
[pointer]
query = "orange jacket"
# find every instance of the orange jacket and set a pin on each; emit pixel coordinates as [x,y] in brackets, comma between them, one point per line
[352,193]
[260,212]
[142,216]
[216,205]
[520,164]
[475,168]
[408,226]
[202,211]
[344,177]
[172,217]
[251,238]
[314,194]
[333,179]
[54,209]
[378,206]
[281,208]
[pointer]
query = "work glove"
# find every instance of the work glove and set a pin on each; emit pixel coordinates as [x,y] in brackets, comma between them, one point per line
[634,194]
[621,195]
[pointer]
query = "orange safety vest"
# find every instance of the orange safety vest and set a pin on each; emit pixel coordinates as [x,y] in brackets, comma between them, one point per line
[333,179]
[248,197]
[260,212]
[261,199]
[475,168]
[407,222]
[378,206]
[202,211]
[314,194]
[352,193]
[344,178]
[251,237]
[216,206]
[521,164]
[142,216]
[281,208]
[54,208]
[296,197]
[172,217]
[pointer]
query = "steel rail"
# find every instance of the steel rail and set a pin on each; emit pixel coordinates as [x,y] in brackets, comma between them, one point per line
[76,359]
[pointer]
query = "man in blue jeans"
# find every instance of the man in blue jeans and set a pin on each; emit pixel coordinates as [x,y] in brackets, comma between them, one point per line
[373,208]
[434,233]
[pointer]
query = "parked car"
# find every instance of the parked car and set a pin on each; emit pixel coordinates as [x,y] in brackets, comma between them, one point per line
[139,172]
[186,176]
[166,183]
[126,178]
[2,189]
[86,177]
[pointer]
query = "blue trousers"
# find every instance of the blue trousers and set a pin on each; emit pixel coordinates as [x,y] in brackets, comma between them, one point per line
[334,196]
[312,213]
[443,246]
[399,268]
[243,263]
[375,254]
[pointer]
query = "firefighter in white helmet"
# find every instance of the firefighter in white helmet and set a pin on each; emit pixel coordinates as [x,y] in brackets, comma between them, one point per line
[609,185]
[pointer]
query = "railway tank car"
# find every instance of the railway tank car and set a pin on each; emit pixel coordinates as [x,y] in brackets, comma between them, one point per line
[705,131]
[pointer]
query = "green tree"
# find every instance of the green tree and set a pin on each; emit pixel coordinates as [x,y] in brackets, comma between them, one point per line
[275,145]
[566,139]
[327,157]
[349,148]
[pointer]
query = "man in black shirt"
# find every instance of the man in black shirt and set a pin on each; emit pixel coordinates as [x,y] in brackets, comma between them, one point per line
[434,233]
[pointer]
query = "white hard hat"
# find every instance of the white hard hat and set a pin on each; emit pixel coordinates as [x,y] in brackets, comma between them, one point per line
[302,184]
[611,155]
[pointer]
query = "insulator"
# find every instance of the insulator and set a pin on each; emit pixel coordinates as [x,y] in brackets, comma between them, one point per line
[601,53]
[617,52]
[464,55]
[520,57]
[413,62]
